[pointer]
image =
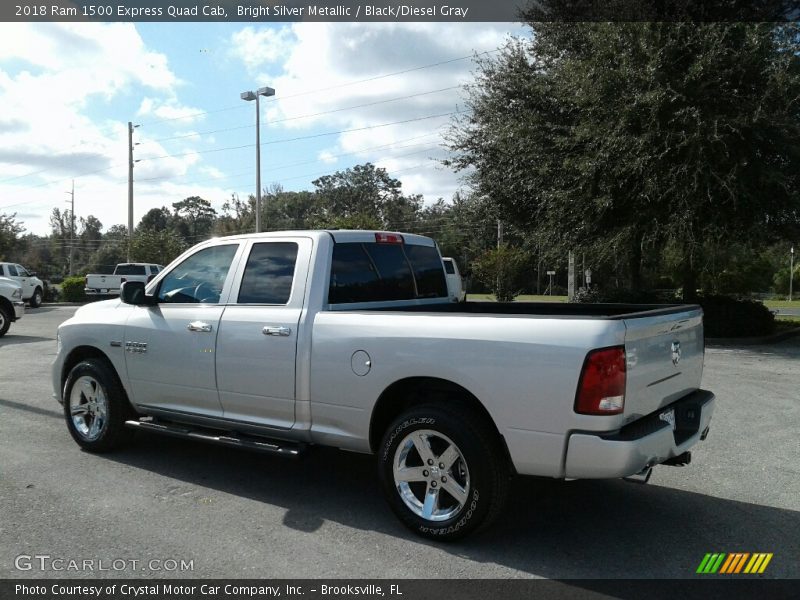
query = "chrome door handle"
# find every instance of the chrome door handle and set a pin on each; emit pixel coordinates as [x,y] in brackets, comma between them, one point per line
[199,326]
[276,330]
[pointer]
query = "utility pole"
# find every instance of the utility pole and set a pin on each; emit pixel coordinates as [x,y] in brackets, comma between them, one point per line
[791,271]
[72,229]
[571,276]
[130,188]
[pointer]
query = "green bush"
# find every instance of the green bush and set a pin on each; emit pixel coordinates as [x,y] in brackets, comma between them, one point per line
[50,292]
[72,289]
[725,316]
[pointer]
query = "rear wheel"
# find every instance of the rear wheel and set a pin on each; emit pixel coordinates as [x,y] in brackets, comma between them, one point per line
[443,472]
[95,407]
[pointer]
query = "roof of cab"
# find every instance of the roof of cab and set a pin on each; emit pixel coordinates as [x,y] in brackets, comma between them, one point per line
[338,235]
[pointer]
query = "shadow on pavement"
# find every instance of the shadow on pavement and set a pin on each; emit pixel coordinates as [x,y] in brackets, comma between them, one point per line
[12,339]
[32,409]
[789,348]
[579,529]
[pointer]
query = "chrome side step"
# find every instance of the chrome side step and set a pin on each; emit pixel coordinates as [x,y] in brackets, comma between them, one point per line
[231,439]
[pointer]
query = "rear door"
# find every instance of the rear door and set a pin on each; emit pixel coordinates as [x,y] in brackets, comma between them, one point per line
[257,340]
[664,359]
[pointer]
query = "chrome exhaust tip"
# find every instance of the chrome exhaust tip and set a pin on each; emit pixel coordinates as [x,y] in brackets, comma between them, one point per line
[641,477]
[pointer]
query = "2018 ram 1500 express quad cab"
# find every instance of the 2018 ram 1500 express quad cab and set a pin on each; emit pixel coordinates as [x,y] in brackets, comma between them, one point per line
[276,341]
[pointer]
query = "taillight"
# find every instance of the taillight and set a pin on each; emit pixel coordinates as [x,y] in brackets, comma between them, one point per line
[601,390]
[388,238]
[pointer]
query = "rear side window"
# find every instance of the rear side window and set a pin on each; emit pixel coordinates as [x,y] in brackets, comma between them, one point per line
[372,272]
[448,267]
[269,274]
[130,270]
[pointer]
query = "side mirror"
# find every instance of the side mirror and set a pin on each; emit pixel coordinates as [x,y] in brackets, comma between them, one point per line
[132,292]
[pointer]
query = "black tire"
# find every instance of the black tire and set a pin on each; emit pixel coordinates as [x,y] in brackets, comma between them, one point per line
[5,320]
[481,471]
[95,377]
[36,299]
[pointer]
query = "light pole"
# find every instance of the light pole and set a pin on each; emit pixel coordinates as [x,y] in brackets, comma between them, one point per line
[263,91]
[791,271]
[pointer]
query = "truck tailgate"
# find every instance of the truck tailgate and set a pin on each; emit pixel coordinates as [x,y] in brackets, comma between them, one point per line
[664,355]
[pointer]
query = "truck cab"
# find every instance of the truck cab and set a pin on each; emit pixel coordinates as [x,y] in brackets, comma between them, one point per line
[32,286]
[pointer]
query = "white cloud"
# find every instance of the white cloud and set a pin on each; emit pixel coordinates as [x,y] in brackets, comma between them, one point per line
[169,109]
[258,47]
[52,77]
[331,66]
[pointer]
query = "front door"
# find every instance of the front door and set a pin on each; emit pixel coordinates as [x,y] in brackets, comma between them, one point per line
[170,347]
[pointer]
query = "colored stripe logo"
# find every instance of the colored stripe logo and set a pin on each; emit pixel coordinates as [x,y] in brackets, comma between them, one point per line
[734,563]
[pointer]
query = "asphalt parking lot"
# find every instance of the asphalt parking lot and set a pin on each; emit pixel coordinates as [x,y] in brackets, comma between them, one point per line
[236,514]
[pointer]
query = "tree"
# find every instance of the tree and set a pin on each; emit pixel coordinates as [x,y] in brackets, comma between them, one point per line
[10,228]
[194,218]
[159,247]
[156,219]
[632,136]
[500,269]
[364,197]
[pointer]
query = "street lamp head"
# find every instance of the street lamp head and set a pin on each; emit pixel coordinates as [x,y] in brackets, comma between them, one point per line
[266,91]
[248,96]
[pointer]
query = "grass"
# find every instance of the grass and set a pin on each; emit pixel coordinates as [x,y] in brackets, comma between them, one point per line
[782,303]
[522,298]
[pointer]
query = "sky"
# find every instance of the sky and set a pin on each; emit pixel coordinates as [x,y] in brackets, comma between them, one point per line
[346,94]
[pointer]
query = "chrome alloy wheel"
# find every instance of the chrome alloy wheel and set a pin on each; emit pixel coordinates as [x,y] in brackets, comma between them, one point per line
[88,407]
[431,475]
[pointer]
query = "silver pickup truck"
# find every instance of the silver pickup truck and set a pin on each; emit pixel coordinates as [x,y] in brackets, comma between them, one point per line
[278,341]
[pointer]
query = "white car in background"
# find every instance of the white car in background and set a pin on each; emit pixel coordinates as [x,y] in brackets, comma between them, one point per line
[11,305]
[32,286]
[455,283]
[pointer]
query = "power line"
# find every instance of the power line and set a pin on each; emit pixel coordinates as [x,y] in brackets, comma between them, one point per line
[325,89]
[305,137]
[306,116]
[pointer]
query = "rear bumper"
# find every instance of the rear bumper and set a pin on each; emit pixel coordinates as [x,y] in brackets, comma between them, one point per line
[644,443]
[19,309]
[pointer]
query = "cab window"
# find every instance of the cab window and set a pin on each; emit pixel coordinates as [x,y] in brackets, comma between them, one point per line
[269,273]
[200,278]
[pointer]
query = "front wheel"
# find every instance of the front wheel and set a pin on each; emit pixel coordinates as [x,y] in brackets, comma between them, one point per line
[443,472]
[5,321]
[36,299]
[95,407]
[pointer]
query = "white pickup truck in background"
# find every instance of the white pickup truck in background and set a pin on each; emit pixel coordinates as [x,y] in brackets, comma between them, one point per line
[108,285]
[11,305]
[281,340]
[32,286]
[455,283]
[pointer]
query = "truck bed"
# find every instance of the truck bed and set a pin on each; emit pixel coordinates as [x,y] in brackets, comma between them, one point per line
[548,309]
